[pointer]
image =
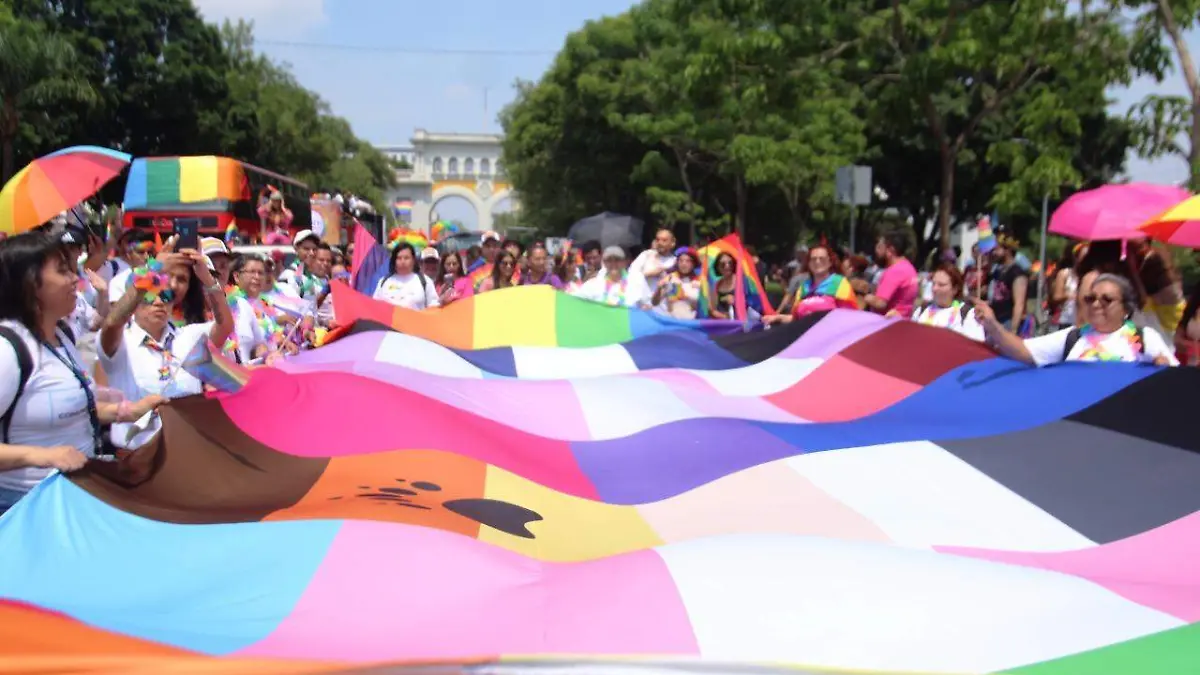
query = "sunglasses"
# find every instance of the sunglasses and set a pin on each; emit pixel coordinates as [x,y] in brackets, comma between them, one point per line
[1104,300]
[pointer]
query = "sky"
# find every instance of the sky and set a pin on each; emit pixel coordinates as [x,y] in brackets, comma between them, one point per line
[410,70]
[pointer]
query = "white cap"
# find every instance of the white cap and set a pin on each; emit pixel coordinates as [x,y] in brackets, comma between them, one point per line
[429,253]
[302,235]
[614,252]
[490,235]
[210,246]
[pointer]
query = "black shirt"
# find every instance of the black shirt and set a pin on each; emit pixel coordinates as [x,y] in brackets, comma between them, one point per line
[1001,295]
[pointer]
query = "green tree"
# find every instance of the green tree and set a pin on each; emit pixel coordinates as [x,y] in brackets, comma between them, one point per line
[162,68]
[1160,32]
[560,151]
[958,66]
[37,72]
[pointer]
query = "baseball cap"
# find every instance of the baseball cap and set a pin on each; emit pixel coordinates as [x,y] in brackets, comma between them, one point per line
[211,246]
[490,235]
[276,197]
[430,253]
[73,236]
[614,252]
[304,235]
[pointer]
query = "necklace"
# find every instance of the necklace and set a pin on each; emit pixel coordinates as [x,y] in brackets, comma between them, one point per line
[1096,348]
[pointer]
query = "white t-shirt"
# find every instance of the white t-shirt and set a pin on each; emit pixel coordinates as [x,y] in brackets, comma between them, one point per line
[650,262]
[1115,346]
[119,284]
[629,292]
[952,318]
[246,328]
[137,371]
[406,291]
[83,318]
[52,410]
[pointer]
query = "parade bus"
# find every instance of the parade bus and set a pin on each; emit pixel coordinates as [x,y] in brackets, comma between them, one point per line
[216,190]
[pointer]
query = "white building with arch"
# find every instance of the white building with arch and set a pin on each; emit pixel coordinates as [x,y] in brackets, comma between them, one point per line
[451,165]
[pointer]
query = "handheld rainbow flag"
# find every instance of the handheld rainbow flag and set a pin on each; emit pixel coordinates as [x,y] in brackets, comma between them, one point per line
[402,209]
[749,294]
[987,238]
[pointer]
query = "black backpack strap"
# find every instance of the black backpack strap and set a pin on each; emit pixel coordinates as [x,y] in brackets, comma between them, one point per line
[1072,338]
[25,366]
[964,311]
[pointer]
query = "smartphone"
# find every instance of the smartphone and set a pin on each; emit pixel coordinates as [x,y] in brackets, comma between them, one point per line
[188,231]
[449,278]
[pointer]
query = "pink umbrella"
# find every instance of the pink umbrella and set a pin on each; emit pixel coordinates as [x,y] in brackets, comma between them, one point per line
[1114,211]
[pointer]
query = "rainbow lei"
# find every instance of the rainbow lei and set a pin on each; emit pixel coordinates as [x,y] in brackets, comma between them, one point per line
[153,282]
[1096,351]
[264,314]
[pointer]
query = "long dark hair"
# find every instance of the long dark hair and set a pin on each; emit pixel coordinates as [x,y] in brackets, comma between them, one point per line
[504,253]
[22,258]
[193,305]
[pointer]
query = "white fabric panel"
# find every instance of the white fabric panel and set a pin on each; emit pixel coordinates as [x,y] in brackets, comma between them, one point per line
[553,363]
[615,407]
[760,379]
[424,355]
[924,496]
[824,602]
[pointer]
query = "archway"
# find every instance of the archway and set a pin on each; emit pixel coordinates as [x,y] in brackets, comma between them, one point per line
[455,208]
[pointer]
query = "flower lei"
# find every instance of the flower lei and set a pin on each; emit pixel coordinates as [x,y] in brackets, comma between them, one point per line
[264,314]
[153,282]
[1095,350]
[619,298]
[933,315]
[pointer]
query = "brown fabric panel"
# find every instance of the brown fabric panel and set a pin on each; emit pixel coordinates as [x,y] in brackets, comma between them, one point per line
[201,469]
[916,353]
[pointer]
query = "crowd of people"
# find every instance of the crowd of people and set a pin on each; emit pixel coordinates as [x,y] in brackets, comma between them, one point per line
[141,308]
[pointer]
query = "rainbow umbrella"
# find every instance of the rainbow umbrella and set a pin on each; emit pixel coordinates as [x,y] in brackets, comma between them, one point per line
[1113,211]
[1178,225]
[56,182]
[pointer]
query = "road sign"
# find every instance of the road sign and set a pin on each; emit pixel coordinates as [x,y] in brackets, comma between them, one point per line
[853,185]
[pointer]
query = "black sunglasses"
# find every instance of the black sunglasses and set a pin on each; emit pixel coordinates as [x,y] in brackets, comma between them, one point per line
[1104,300]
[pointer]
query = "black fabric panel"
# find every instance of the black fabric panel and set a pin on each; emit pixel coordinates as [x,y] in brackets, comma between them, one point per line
[1159,408]
[763,344]
[1104,485]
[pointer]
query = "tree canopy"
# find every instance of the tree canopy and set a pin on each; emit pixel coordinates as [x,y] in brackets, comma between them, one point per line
[150,77]
[714,115]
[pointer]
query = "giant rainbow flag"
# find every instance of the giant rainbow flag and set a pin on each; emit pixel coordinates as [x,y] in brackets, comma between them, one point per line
[851,493]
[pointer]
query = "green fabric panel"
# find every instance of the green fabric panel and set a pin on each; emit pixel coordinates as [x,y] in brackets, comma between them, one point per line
[162,181]
[1172,652]
[581,323]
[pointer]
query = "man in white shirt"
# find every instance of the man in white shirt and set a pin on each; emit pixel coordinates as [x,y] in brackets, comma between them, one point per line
[656,262]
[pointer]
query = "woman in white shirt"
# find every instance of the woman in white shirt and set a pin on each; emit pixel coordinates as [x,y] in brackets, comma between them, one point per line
[254,325]
[616,287]
[406,287]
[1109,335]
[144,356]
[52,419]
[946,308]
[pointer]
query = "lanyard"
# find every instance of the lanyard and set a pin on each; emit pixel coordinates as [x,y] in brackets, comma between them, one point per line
[81,377]
[164,370]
